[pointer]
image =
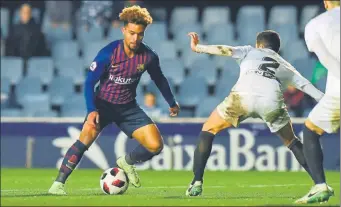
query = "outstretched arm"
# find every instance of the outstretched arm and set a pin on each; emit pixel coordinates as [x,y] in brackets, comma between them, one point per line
[223,50]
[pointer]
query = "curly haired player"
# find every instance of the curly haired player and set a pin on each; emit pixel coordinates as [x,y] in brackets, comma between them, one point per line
[118,67]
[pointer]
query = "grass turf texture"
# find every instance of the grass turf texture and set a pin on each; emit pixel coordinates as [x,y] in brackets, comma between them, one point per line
[159,188]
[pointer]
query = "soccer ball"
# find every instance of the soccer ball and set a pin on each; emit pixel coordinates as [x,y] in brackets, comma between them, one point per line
[114,181]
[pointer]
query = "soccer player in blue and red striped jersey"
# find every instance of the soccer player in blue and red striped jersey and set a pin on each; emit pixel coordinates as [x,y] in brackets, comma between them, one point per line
[118,67]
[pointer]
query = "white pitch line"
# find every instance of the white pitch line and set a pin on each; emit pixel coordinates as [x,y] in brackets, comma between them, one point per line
[93,189]
[173,187]
[278,185]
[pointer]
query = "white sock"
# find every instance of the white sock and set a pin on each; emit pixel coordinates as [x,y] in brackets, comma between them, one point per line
[321,185]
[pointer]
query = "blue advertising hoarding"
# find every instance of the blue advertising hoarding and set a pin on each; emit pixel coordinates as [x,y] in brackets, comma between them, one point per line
[249,147]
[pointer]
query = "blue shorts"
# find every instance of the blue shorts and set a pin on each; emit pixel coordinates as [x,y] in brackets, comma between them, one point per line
[128,117]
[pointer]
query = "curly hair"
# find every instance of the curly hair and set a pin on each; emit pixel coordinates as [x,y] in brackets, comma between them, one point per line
[137,15]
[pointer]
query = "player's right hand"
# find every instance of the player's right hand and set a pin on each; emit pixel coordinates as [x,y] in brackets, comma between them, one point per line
[93,119]
[194,40]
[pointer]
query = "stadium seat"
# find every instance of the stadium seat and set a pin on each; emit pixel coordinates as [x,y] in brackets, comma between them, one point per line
[213,16]
[5,21]
[74,106]
[156,35]
[48,113]
[162,104]
[5,85]
[208,104]
[183,15]
[65,49]
[166,50]
[250,20]
[250,13]
[308,12]
[145,79]
[204,68]
[305,66]
[33,103]
[288,34]
[12,68]
[189,57]
[181,38]
[114,33]
[154,43]
[151,87]
[214,34]
[225,84]
[56,34]
[60,88]
[71,67]
[192,90]
[41,67]
[46,23]
[158,13]
[28,86]
[11,112]
[85,36]
[247,35]
[90,51]
[5,91]
[282,15]
[230,67]
[157,30]
[35,15]
[295,50]
[2,49]
[173,69]
[185,113]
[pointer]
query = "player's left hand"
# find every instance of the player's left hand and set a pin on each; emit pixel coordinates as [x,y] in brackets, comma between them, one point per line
[194,40]
[174,111]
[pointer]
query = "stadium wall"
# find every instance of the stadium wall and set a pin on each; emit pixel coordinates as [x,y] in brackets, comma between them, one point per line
[41,143]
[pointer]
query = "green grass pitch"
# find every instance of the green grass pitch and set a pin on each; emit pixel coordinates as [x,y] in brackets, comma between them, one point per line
[159,188]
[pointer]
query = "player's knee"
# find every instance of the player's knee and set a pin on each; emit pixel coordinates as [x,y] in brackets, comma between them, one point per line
[312,127]
[155,147]
[209,128]
[88,134]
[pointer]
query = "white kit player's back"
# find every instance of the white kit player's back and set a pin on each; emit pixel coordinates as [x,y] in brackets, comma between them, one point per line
[264,72]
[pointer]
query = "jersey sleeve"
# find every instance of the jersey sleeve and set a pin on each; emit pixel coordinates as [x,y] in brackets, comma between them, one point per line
[288,75]
[224,50]
[160,80]
[96,69]
[240,52]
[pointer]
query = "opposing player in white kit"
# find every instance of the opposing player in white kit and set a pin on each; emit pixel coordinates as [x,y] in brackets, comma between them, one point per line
[258,93]
[322,36]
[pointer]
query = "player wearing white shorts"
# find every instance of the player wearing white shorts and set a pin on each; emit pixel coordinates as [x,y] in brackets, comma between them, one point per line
[258,93]
[322,36]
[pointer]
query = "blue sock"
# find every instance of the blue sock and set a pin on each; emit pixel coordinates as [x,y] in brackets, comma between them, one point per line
[71,159]
[140,154]
[201,154]
[313,155]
